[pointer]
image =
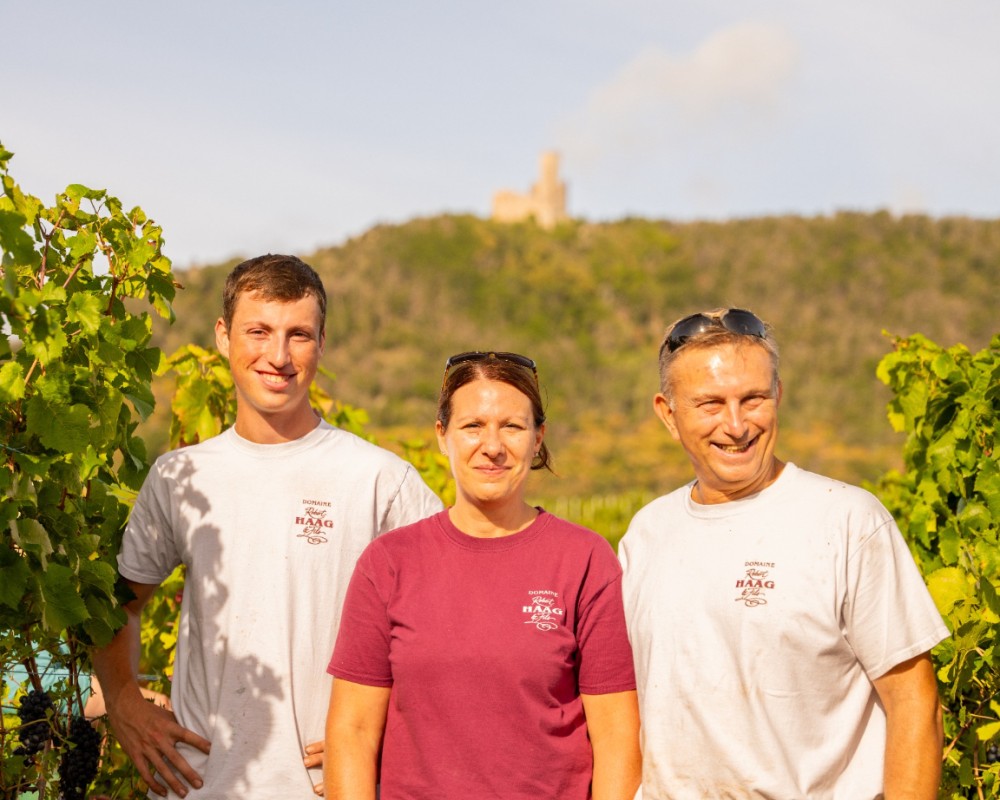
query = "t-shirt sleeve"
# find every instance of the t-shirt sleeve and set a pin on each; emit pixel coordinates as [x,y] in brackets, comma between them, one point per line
[149,553]
[412,502]
[889,616]
[361,653]
[605,654]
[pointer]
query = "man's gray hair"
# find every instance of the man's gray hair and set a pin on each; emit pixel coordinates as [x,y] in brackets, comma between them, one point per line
[714,336]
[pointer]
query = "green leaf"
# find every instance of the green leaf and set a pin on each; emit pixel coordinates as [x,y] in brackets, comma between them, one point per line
[16,575]
[949,544]
[59,427]
[11,382]
[949,586]
[14,240]
[85,310]
[142,400]
[30,535]
[988,731]
[989,595]
[61,605]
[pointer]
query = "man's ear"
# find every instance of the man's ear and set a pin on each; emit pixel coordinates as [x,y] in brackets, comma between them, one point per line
[222,337]
[663,409]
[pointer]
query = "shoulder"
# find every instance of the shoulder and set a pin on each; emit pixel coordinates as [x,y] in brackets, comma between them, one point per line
[404,540]
[346,445]
[830,494]
[177,463]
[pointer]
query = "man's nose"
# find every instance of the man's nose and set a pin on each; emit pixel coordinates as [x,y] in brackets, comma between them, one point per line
[278,351]
[734,423]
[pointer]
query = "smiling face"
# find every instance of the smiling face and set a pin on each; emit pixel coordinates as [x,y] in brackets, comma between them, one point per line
[490,440]
[724,412]
[273,349]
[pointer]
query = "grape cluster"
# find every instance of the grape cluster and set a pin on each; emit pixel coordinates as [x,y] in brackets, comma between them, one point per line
[78,765]
[992,753]
[35,713]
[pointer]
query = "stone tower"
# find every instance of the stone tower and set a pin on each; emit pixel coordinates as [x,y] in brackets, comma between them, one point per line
[546,202]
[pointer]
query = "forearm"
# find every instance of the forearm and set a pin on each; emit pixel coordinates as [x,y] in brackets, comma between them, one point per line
[117,664]
[913,760]
[617,773]
[913,730]
[613,726]
[350,768]
[354,725]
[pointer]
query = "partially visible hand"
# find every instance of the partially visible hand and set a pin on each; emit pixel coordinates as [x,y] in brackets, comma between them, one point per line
[157,699]
[314,758]
[149,735]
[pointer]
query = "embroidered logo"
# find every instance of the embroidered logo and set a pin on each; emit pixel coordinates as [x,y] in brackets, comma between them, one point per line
[315,526]
[544,613]
[755,583]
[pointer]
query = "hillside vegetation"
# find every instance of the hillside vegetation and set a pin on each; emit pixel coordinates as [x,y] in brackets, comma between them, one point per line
[590,302]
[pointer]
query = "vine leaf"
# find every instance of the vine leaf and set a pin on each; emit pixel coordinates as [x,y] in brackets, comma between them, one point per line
[62,607]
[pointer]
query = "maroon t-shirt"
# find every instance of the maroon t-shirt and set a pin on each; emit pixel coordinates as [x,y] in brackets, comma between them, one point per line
[487,645]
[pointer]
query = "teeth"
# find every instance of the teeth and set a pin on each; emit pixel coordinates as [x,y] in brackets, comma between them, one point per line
[734,448]
[275,379]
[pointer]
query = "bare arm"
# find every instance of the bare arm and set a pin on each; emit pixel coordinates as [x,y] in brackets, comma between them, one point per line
[613,724]
[354,726]
[147,732]
[908,692]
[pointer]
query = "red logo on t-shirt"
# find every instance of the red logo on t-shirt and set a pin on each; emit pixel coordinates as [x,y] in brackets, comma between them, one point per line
[314,524]
[545,614]
[755,583]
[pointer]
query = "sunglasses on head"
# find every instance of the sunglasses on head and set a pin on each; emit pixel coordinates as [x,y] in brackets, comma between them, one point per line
[487,355]
[735,320]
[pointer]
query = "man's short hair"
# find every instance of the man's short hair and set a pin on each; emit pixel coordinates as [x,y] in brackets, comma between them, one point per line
[273,277]
[713,336]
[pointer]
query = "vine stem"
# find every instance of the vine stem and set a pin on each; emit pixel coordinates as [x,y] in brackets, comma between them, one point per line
[73,272]
[963,731]
[47,243]
[30,370]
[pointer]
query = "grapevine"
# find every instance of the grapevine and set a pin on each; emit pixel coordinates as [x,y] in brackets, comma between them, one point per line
[80,755]
[35,712]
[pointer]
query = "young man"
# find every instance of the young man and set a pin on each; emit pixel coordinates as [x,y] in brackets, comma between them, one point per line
[779,624]
[269,518]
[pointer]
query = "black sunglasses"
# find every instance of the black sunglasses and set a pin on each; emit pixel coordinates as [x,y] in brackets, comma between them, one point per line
[735,320]
[486,355]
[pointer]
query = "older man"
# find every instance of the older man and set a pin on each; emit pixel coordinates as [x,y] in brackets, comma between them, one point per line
[780,627]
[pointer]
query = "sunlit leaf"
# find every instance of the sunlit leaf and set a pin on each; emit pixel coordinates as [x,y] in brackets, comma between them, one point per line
[948,586]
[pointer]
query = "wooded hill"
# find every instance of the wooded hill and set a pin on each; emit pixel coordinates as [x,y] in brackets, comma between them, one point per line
[590,302]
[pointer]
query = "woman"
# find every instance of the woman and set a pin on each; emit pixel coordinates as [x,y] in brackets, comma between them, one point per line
[487,643]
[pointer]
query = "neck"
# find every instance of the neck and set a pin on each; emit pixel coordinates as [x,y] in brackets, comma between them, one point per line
[706,495]
[489,522]
[263,430]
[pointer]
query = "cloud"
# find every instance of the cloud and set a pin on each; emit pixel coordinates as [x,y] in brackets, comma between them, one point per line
[738,77]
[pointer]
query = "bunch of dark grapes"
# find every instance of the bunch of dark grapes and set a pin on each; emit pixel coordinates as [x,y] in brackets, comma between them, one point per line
[35,712]
[78,766]
[992,754]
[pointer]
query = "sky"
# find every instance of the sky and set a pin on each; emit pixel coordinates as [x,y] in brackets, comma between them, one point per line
[250,127]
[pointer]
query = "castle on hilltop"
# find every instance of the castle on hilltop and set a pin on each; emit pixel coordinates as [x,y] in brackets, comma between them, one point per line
[546,201]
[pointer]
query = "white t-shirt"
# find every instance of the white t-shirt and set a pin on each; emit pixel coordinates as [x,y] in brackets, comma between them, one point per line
[758,627]
[270,535]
